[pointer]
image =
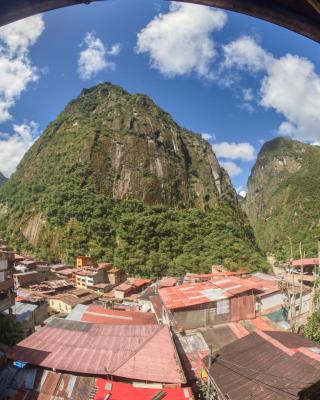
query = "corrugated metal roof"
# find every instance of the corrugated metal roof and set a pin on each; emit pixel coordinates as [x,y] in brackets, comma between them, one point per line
[192,294]
[99,315]
[35,383]
[22,311]
[306,261]
[144,352]
[260,367]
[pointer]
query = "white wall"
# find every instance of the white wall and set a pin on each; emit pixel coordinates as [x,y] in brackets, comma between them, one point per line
[273,300]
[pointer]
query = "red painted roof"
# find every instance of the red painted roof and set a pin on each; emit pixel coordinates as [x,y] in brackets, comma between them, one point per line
[191,276]
[17,257]
[141,282]
[168,282]
[204,292]
[67,271]
[306,261]
[124,287]
[125,391]
[144,352]
[99,315]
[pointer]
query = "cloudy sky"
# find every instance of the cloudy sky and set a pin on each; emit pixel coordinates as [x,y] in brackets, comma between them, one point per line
[236,80]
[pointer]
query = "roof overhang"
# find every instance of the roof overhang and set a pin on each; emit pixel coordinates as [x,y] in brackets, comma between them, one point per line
[301,16]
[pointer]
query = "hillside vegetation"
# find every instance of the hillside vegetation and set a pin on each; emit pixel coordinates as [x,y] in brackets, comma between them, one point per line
[115,177]
[283,197]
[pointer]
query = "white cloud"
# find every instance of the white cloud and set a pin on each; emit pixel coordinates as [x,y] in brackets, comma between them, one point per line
[208,136]
[290,85]
[180,41]
[232,168]
[13,146]
[241,191]
[246,54]
[20,35]
[16,69]
[115,49]
[292,88]
[234,151]
[93,57]
[247,94]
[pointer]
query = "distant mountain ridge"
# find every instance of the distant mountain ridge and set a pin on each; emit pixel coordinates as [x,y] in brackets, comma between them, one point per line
[283,196]
[116,177]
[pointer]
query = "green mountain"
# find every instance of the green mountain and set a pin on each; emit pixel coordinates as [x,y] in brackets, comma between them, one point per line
[115,177]
[3,179]
[283,197]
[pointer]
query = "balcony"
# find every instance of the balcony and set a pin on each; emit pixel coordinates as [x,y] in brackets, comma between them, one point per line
[296,278]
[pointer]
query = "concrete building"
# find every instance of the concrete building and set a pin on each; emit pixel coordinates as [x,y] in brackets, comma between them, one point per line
[84,261]
[90,276]
[6,283]
[25,279]
[29,315]
[65,302]
[102,277]
[132,286]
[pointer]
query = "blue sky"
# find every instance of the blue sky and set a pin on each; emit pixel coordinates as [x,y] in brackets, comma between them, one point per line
[238,80]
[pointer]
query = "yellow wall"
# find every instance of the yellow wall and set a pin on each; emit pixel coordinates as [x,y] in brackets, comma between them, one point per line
[59,306]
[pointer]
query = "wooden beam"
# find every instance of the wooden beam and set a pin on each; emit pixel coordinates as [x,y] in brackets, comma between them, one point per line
[315,4]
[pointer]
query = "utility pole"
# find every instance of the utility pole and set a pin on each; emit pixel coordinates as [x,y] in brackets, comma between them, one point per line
[316,279]
[290,292]
[209,366]
[301,281]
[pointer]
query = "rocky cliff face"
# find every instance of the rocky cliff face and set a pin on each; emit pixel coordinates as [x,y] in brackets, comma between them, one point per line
[116,177]
[282,199]
[131,149]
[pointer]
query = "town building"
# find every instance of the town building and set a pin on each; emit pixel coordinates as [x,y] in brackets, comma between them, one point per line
[267,365]
[84,261]
[208,303]
[144,353]
[25,279]
[102,277]
[29,315]
[90,276]
[132,286]
[65,302]
[6,283]
[39,383]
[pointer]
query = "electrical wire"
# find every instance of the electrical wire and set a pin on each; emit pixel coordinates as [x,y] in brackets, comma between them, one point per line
[266,373]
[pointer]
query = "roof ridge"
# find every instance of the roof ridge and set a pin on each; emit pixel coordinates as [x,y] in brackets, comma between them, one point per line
[156,331]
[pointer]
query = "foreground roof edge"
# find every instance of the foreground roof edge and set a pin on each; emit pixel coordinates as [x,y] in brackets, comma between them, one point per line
[301,16]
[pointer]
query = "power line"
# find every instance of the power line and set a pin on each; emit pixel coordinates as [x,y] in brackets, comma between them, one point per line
[266,373]
[271,387]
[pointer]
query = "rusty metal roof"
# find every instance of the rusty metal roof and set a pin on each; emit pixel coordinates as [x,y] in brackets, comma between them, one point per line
[144,352]
[188,295]
[261,367]
[41,384]
[306,261]
[100,315]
